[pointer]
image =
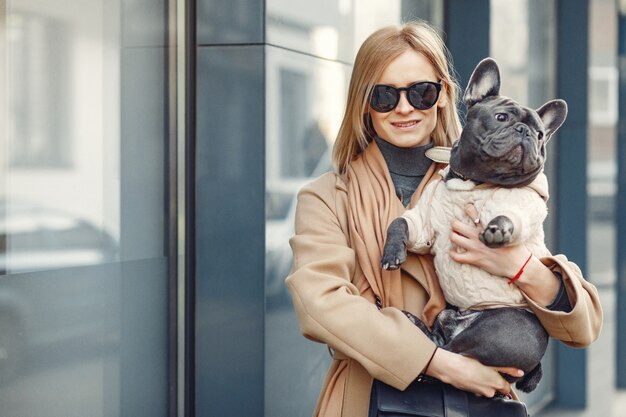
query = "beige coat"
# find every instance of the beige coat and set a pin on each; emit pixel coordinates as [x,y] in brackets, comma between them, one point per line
[335,305]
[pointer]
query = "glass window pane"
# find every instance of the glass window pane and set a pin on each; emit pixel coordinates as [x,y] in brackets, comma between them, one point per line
[83,179]
[229,301]
[334,29]
[304,100]
[602,168]
[602,130]
[229,22]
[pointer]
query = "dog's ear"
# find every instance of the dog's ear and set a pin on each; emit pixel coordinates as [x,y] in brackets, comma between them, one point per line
[455,159]
[484,82]
[552,114]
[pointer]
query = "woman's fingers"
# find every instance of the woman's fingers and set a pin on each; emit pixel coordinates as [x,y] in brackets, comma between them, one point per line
[463,257]
[465,229]
[499,384]
[468,374]
[515,372]
[494,382]
[465,240]
[459,240]
[505,388]
[471,211]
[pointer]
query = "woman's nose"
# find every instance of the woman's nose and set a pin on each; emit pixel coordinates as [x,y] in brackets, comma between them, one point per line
[403,105]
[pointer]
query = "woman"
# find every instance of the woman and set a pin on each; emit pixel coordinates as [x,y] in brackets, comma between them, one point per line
[401,101]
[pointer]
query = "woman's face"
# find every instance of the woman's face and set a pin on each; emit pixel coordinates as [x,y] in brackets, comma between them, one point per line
[406,126]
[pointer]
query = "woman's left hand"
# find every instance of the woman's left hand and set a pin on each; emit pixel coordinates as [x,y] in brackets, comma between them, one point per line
[535,279]
[504,261]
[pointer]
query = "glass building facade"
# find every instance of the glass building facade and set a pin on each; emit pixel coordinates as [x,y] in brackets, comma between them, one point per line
[85,236]
[149,159]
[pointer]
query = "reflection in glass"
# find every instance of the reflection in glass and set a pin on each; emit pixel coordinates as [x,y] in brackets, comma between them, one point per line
[36,238]
[303,97]
[334,29]
[308,97]
[602,164]
[38,128]
[602,171]
[523,43]
[83,276]
[53,205]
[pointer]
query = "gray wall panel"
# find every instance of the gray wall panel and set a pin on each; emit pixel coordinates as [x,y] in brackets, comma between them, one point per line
[229,21]
[230,231]
[466,26]
[143,129]
[144,23]
[143,284]
[571,191]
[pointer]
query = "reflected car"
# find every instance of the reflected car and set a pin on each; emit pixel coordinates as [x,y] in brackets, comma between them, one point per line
[280,209]
[41,301]
[35,238]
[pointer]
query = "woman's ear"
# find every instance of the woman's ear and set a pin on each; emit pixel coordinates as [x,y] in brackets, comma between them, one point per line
[443,95]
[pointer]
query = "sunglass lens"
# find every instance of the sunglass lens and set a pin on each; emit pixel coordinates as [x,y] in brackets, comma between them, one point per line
[423,96]
[384,98]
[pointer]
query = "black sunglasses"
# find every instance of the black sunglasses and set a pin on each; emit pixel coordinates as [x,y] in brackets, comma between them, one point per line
[422,95]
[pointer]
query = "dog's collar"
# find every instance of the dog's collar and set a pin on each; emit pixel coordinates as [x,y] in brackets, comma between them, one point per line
[452,174]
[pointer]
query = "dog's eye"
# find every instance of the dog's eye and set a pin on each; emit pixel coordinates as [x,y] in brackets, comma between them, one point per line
[540,135]
[502,117]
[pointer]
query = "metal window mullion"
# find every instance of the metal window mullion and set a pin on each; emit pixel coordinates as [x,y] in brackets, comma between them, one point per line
[621,207]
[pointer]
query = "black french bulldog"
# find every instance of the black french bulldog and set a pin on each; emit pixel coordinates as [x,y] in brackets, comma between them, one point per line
[503,147]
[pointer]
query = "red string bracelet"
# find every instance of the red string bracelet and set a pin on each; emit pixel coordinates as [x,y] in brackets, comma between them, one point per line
[520,272]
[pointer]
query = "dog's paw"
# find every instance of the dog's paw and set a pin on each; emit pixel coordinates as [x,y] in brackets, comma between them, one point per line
[498,232]
[394,252]
[530,381]
[394,255]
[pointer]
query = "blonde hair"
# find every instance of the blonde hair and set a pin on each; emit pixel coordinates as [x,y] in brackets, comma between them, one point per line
[375,54]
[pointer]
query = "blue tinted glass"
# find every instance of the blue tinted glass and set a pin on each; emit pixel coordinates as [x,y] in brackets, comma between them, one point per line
[83,244]
[229,22]
[229,231]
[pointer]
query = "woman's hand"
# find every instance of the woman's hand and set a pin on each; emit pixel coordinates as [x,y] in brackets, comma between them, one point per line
[536,280]
[504,261]
[470,375]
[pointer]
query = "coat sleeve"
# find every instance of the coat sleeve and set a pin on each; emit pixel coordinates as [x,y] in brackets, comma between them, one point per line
[329,306]
[582,325]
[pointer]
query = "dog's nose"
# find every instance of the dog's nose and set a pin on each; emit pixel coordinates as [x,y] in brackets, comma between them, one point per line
[521,128]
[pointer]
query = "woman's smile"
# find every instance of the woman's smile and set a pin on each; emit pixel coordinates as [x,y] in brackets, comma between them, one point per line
[405,125]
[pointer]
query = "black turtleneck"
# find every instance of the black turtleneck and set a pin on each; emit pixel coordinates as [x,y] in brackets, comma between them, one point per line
[407,167]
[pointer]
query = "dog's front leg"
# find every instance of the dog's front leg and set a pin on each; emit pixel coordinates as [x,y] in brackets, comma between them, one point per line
[394,252]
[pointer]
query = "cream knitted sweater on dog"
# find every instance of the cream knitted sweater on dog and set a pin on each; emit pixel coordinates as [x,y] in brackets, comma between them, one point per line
[430,221]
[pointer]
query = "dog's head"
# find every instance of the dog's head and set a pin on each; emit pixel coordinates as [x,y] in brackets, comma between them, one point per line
[502,143]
